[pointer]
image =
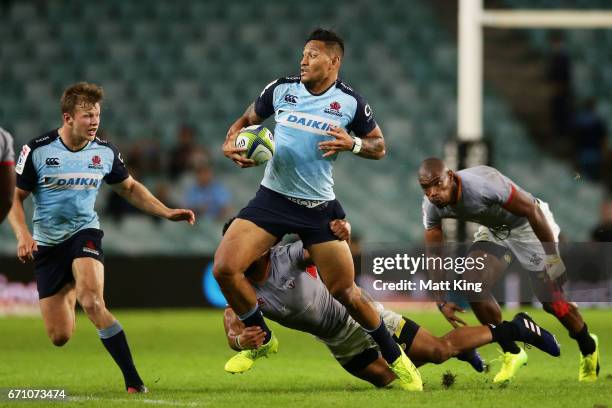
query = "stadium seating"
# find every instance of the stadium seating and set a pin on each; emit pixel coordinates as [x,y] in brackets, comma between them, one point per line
[202,63]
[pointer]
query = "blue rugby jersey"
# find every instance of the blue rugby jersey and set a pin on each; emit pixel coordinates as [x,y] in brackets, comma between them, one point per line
[298,168]
[65,183]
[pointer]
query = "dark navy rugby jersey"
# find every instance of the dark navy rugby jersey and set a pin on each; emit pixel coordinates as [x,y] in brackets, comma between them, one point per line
[298,168]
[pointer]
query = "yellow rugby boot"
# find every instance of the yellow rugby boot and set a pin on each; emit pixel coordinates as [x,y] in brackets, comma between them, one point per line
[407,374]
[589,364]
[244,360]
[510,366]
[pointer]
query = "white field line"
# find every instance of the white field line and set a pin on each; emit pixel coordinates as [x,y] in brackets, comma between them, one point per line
[136,401]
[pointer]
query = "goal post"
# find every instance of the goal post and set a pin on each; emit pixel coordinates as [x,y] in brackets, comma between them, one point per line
[472,18]
[469,148]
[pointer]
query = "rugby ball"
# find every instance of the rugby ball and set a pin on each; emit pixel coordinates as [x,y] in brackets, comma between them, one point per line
[258,142]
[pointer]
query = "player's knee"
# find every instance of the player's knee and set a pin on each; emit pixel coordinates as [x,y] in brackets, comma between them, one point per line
[92,303]
[224,271]
[59,337]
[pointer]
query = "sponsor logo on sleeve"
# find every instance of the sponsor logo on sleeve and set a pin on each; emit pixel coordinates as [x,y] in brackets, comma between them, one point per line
[23,156]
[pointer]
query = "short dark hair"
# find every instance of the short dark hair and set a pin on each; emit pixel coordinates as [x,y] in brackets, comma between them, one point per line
[227,225]
[330,38]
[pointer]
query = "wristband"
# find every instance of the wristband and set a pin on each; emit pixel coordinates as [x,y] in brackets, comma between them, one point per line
[441,305]
[357,142]
[237,342]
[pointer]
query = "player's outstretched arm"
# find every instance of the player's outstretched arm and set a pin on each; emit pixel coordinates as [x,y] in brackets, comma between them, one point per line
[248,118]
[371,146]
[434,238]
[140,197]
[524,206]
[7,189]
[238,336]
[25,243]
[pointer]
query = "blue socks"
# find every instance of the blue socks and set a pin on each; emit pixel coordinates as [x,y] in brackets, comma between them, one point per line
[388,347]
[113,338]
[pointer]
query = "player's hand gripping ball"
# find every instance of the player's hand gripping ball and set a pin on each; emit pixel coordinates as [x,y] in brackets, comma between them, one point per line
[258,142]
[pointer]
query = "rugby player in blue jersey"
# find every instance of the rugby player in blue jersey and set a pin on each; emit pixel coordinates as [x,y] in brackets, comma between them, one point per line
[314,114]
[63,170]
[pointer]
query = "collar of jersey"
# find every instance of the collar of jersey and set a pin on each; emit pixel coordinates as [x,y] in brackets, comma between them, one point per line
[320,93]
[69,149]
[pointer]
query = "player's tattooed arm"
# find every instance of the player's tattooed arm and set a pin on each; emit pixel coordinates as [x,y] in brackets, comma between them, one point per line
[372,144]
[248,118]
[365,296]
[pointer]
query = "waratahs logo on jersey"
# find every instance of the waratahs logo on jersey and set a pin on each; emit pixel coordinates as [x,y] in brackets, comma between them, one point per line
[96,162]
[334,108]
[304,121]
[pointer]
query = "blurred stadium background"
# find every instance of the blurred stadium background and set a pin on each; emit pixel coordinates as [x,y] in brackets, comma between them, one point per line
[176,74]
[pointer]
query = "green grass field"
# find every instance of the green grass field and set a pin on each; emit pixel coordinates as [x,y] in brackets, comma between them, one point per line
[181,354]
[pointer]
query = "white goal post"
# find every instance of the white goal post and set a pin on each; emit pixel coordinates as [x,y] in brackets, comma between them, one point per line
[472,18]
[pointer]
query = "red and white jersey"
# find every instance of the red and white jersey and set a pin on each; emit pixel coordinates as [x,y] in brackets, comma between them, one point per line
[7,154]
[484,193]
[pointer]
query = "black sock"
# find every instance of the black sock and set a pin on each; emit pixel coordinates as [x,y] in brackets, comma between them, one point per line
[505,333]
[584,340]
[465,356]
[114,340]
[388,347]
[255,318]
